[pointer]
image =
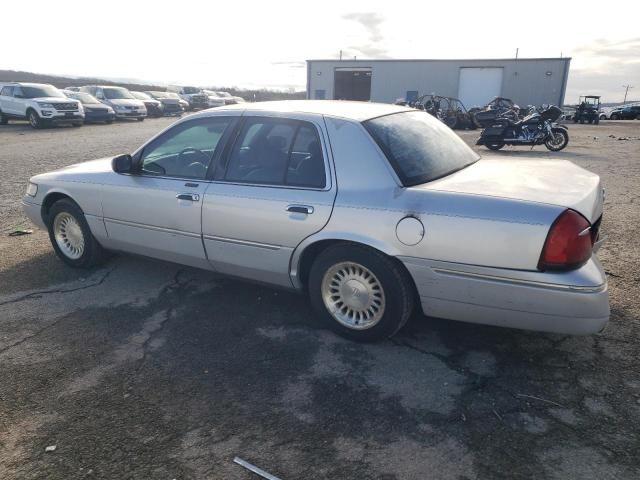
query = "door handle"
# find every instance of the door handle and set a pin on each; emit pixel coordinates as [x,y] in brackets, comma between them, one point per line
[192,197]
[306,209]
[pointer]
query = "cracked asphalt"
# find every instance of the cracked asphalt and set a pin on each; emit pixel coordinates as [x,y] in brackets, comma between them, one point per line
[148,370]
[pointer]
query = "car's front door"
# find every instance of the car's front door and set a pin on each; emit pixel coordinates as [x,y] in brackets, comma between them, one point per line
[273,189]
[157,212]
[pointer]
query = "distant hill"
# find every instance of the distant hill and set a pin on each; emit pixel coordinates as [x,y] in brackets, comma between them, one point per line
[258,95]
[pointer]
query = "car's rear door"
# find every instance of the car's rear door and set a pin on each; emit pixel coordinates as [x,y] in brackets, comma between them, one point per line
[273,189]
[158,212]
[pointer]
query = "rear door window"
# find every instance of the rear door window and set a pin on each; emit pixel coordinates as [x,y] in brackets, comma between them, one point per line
[7,91]
[273,151]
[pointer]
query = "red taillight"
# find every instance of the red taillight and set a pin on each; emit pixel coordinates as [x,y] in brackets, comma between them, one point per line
[568,243]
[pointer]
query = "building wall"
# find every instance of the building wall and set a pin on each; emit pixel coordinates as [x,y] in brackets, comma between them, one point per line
[525,81]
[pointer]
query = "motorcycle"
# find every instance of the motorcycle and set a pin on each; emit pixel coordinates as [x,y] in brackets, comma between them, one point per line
[536,128]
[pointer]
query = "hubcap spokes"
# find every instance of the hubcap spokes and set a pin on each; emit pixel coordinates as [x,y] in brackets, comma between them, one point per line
[353,295]
[68,235]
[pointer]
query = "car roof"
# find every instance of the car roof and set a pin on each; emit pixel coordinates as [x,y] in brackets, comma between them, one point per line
[27,84]
[358,111]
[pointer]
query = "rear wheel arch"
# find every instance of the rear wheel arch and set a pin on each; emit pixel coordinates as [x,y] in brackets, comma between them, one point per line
[312,251]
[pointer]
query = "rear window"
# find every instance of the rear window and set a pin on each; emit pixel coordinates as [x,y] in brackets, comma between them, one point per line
[419,147]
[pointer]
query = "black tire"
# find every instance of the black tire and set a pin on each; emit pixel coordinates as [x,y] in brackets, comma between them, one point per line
[93,253]
[395,285]
[494,146]
[141,119]
[109,122]
[77,124]
[451,122]
[596,121]
[34,119]
[3,119]
[556,147]
[614,116]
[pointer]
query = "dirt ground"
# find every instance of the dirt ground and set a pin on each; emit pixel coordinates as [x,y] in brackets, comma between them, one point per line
[148,370]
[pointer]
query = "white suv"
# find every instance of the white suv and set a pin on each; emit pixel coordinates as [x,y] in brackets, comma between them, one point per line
[39,103]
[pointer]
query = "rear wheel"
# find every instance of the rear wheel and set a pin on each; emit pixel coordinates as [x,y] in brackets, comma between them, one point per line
[558,140]
[34,119]
[109,122]
[77,124]
[614,116]
[3,119]
[494,146]
[71,236]
[141,119]
[359,292]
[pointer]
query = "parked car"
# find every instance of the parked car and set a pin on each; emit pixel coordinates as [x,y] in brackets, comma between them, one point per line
[629,112]
[154,107]
[94,110]
[214,99]
[120,99]
[183,103]
[197,99]
[39,103]
[418,220]
[230,99]
[614,113]
[172,105]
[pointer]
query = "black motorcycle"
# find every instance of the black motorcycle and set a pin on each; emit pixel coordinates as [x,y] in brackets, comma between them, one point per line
[535,129]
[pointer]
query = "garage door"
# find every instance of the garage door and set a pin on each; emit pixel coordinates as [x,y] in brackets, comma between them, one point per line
[478,86]
[352,84]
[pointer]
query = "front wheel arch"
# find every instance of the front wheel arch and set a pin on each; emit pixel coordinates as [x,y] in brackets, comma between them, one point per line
[48,202]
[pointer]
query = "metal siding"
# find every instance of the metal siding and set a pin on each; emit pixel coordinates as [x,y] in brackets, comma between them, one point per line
[392,78]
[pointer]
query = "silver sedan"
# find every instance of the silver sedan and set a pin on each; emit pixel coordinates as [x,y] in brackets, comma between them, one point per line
[375,211]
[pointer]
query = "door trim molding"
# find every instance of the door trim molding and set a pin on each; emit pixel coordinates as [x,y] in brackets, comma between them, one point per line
[151,227]
[246,243]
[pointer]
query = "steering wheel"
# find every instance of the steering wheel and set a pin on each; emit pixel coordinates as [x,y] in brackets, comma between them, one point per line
[195,166]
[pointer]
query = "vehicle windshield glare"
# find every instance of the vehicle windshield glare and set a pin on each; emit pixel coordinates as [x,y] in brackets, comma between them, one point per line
[171,95]
[419,147]
[117,93]
[85,98]
[191,90]
[43,91]
[158,95]
[141,95]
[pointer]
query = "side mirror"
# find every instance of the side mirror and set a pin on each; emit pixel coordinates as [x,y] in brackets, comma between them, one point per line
[122,164]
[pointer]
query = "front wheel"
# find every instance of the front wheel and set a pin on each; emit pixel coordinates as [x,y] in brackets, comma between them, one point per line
[360,293]
[71,236]
[34,119]
[141,119]
[558,139]
[494,146]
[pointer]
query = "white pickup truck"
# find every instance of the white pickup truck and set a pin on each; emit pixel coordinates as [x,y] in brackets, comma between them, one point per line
[39,103]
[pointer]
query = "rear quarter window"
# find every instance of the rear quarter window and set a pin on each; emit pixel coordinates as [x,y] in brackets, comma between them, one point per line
[419,147]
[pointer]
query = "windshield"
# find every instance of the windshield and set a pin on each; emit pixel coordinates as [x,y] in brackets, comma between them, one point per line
[191,90]
[419,147]
[84,98]
[172,95]
[116,93]
[43,91]
[141,96]
[159,94]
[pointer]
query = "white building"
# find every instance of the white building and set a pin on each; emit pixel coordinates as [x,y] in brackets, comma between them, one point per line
[527,81]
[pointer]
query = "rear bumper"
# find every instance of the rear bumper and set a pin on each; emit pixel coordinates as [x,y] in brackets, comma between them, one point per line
[575,303]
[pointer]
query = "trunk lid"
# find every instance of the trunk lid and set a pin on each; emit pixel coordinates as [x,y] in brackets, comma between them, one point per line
[554,182]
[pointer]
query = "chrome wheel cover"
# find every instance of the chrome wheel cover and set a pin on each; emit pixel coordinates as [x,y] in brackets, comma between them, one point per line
[68,235]
[353,295]
[33,120]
